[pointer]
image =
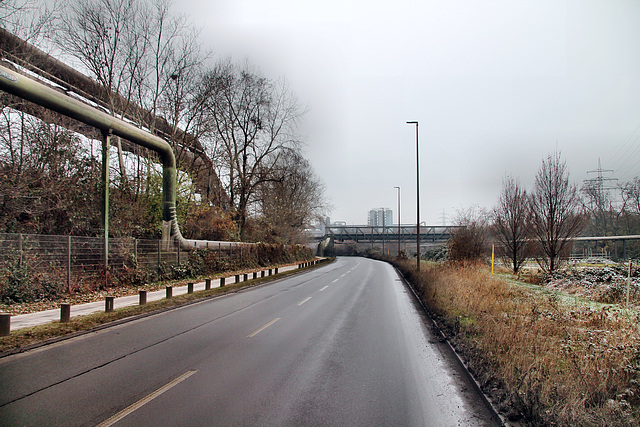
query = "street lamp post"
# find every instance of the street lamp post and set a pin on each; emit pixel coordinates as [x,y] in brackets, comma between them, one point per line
[417,196]
[398,220]
[384,232]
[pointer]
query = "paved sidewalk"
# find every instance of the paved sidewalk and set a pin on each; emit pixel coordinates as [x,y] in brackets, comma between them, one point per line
[42,317]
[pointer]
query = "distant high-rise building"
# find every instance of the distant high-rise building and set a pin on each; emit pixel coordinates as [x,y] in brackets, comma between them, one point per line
[372,218]
[379,217]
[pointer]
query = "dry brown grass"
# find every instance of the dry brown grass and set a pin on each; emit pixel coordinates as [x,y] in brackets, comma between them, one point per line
[555,363]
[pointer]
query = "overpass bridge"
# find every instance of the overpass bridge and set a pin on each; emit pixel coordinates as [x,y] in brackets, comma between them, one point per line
[389,233]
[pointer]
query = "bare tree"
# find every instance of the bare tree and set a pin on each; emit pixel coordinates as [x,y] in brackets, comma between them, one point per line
[49,180]
[291,203]
[510,222]
[631,196]
[254,123]
[173,91]
[172,51]
[468,243]
[107,37]
[148,63]
[29,19]
[629,212]
[599,205]
[556,212]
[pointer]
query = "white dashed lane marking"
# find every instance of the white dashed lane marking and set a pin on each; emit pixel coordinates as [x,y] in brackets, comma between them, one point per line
[257,331]
[303,301]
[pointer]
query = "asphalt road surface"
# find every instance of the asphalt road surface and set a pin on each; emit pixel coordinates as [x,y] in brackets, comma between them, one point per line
[344,344]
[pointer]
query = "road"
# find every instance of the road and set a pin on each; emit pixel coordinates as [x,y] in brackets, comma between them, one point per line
[344,344]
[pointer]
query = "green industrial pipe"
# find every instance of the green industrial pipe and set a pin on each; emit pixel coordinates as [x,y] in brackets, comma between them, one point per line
[38,93]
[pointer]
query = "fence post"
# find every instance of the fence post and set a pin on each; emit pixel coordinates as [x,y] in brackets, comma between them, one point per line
[237,278]
[629,284]
[190,287]
[143,297]
[262,273]
[222,282]
[207,284]
[65,312]
[108,304]
[5,324]
[276,270]
[255,274]
[69,264]
[245,277]
[20,249]
[270,272]
[106,144]
[169,292]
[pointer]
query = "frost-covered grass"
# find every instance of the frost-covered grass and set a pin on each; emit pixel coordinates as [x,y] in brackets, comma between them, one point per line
[572,298]
[538,352]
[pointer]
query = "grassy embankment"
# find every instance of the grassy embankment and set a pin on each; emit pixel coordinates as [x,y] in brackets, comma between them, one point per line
[551,359]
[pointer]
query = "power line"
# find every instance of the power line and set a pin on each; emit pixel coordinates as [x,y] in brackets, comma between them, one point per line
[614,157]
[624,169]
[444,217]
[600,185]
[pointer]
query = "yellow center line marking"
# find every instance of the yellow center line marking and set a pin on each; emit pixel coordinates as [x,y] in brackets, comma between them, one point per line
[303,301]
[120,415]
[257,331]
[323,288]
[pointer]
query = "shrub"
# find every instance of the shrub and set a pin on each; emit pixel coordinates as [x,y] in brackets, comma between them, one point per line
[468,243]
[16,284]
[19,283]
[50,285]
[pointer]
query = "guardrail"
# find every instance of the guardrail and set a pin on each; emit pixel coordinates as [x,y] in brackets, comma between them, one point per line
[109,302]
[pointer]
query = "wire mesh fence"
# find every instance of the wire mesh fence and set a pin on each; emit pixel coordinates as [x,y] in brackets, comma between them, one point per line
[76,260]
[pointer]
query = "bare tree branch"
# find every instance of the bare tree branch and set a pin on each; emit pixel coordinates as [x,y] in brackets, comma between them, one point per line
[556,212]
[510,222]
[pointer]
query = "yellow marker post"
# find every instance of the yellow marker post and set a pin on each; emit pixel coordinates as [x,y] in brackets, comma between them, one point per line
[493,257]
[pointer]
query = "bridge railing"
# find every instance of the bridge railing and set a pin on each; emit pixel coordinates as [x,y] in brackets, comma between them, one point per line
[390,232]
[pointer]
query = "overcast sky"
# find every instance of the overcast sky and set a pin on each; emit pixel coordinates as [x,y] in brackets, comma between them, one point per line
[495,85]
